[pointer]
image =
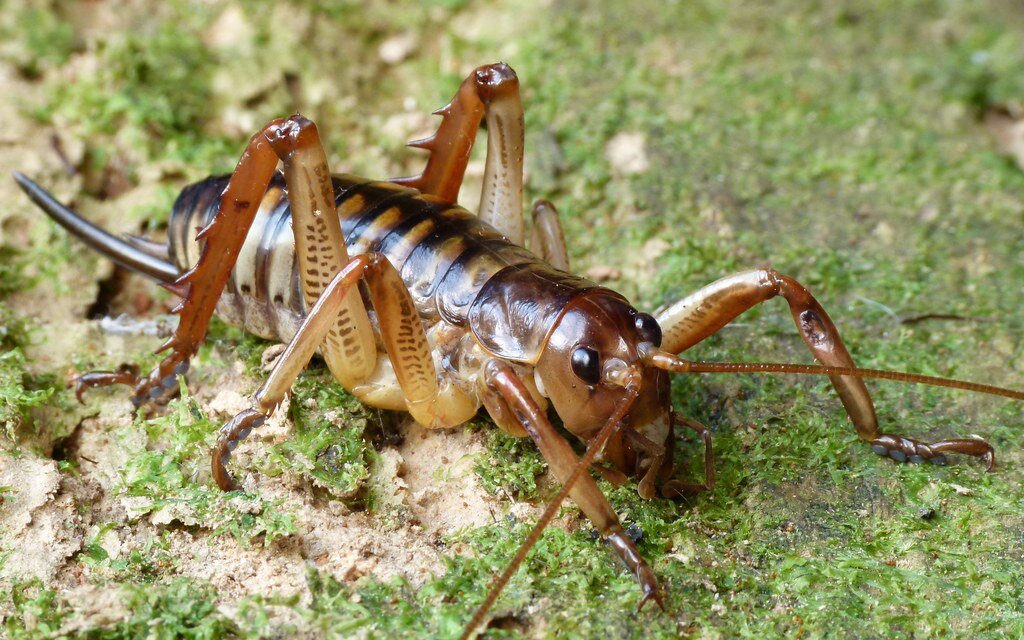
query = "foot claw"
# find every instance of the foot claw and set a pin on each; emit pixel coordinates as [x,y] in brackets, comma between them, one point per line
[126,374]
[916,452]
[230,435]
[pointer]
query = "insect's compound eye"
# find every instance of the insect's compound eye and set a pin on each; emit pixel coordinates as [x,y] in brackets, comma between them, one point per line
[649,329]
[586,364]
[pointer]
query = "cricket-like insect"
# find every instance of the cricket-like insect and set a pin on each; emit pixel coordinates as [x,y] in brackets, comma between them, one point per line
[453,313]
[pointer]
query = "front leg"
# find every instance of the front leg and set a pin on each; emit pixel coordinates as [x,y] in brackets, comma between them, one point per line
[562,460]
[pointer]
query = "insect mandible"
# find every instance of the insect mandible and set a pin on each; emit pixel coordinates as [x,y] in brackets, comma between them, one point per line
[456,314]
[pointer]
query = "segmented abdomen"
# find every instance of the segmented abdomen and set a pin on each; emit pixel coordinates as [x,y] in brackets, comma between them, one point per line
[263,294]
[444,253]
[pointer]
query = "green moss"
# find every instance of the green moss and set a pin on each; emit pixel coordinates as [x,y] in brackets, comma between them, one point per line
[243,346]
[37,611]
[331,441]
[511,465]
[45,40]
[152,84]
[12,271]
[180,608]
[145,565]
[15,329]
[20,393]
[166,476]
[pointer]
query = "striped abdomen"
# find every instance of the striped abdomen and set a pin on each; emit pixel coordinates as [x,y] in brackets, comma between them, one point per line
[444,253]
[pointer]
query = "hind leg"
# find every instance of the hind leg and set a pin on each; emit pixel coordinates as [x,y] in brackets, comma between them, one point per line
[490,92]
[701,314]
[320,250]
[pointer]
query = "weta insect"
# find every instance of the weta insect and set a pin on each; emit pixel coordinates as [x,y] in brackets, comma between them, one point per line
[456,314]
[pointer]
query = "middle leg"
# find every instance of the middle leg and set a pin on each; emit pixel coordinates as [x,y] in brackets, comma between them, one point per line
[675,488]
[405,342]
[548,239]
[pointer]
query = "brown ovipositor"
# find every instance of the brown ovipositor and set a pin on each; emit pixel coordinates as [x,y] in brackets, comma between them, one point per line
[457,313]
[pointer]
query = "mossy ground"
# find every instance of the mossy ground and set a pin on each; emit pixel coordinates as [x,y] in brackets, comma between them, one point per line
[838,142]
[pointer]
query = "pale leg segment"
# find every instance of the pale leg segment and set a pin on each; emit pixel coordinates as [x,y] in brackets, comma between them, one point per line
[404,339]
[701,314]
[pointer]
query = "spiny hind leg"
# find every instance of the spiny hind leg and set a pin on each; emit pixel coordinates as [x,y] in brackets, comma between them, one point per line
[701,314]
[201,286]
[405,342]
[320,251]
[503,382]
[491,92]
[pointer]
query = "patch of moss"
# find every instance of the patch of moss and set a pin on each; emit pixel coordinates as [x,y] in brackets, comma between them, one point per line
[241,345]
[20,393]
[45,40]
[510,465]
[145,565]
[36,611]
[15,329]
[12,271]
[151,85]
[331,441]
[167,476]
[179,608]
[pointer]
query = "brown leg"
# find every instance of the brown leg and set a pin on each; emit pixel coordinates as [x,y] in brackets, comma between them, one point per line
[126,374]
[562,460]
[548,240]
[701,314]
[674,488]
[319,247]
[491,91]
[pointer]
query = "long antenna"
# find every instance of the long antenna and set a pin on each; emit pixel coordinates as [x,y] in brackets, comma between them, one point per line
[595,446]
[669,362]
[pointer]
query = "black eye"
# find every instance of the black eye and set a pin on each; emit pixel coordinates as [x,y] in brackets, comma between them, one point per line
[649,329]
[586,365]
